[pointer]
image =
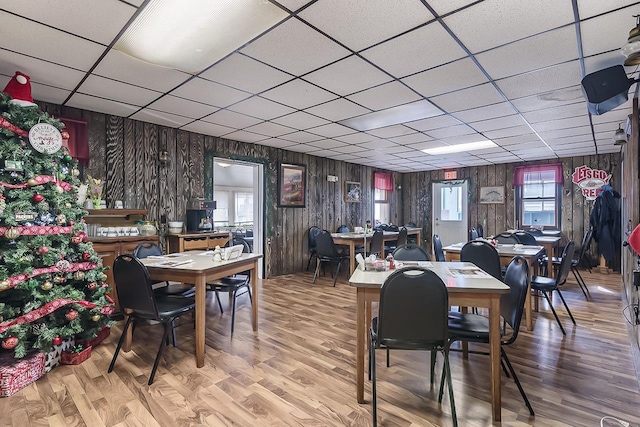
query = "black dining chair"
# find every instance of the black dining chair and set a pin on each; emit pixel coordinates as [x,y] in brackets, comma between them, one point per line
[312,233]
[412,315]
[376,246]
[236,285]
[575,262]
[535,231]
[438,253]
[507,239]
[138,301]
[526,238]
[475,328]
[480,230]
[327,252]
[410,252]
[147,249]
[546,285]
[483,255]
[343,229]
[473,234]
[400,241]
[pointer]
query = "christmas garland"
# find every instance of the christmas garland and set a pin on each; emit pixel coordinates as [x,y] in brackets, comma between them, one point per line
[38,230]
[49,308]
[41,179]
[10,126]
[80,266]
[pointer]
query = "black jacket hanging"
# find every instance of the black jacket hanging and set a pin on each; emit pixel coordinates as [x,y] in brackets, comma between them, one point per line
[605,220]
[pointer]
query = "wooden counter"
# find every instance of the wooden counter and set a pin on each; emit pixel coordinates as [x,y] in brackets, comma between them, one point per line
[193,241]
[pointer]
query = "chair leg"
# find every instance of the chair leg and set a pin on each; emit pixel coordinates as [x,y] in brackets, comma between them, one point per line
[219,303]
[233,312]
[315,274]
[434,354]
[515,378]
[120,342]
[155,364]
[388,355]
[446,372]
[337,273]
[173,332]
[372,373]
[580,280]
[504,368]
[309,262]
[566,306]
[554,312]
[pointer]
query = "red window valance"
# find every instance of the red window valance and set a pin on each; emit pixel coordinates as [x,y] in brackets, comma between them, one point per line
[78,144]
[383,181]
[520,171]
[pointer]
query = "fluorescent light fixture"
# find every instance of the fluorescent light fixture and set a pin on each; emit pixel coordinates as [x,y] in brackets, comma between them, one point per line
[458,148]
[190,36]
[393,116]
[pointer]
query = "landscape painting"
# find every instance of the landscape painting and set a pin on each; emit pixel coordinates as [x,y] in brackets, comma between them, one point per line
[490,195]
[292,185]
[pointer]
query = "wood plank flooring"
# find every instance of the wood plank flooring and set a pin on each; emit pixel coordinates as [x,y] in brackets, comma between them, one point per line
[299,370]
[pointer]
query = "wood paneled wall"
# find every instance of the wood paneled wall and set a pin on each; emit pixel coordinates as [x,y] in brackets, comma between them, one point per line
[125,153]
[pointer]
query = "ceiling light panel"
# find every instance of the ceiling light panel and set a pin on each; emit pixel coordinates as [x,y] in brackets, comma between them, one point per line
[446,78]
[459,148]
[347,76]
[298,94]
[295,48]
[508,21]
[192,38]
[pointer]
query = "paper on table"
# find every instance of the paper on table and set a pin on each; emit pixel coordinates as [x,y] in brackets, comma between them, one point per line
[468,272]
[423,264]
[207,253]
[171,263]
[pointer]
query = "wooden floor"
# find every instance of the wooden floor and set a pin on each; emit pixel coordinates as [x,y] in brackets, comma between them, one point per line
[299,370]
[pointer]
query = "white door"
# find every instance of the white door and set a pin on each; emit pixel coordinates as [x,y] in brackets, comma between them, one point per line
[450,211]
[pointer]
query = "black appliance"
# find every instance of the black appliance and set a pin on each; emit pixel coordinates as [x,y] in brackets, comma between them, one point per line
[201,218]
[606,89]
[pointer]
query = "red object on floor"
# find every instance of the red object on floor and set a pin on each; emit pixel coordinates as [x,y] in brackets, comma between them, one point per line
[634,239]
[102,335]
[16,374]
[68,358]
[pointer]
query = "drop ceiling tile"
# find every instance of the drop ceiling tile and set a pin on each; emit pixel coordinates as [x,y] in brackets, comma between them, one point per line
[207,128]
[356,138]
[589,8]
[326,153]
[346,157]
[182,107]
[244,73]
[385,96]
[302,148]
[561,133]
[418,50]
[528,138]
[27,37]
[573,122]
[300,120]
[261,108]
[351,149]
[231,119]
[362,23]
[451,131]
[294,5]
[277,143]
[331,130]
[210,93]
[400,150]
[328,144]
[40,71]
[446,6]
[543,50]
[391,131]
[503,133]
[543,101]
[121,92]
[301,137]
[119,66]
[411,139]
[347,76]
[433,123]
[446,78]
[48,93]
[378,144]
[298,94]
[607,32]
[498,123]
[270,129]
[295,48]
[160,118]
[568,110]
[106,106]
[465,99]
[508,21]
[424,145]
[338,109]
[244,136]
[556,78]
[500,109]
[604,60]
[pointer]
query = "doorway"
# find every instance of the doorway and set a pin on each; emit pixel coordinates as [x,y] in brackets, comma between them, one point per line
[238,189]
[450,211]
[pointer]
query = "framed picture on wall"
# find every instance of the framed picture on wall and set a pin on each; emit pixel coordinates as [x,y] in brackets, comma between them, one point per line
[352,192]
[492,195]
[292,185]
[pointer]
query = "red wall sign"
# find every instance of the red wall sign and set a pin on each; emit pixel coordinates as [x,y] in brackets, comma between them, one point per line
[590,180]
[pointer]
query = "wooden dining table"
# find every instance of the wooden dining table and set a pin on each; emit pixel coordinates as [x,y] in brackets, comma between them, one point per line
[198,269]
[463,291]
[353,239]
[507,252]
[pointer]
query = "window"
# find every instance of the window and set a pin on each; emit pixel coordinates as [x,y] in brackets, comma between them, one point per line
[244,208]
[451,204]
[538,195]
[383,185]
[221,213]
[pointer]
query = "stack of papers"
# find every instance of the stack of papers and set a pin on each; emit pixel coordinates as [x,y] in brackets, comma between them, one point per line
[172,263]
[474,272]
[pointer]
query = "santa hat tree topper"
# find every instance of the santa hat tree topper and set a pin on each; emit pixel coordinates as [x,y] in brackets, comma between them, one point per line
[19,88]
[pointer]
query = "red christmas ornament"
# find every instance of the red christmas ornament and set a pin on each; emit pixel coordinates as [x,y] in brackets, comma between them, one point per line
[64,134]
[71,315]
[38,198]
[92,285]
[44,250]
[83,236]
[56,341]
[86,256]
[76,240]
[9,343]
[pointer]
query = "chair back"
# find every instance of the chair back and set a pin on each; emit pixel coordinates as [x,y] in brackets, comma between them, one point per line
[437,248]
[526,238]
[376,242]
[410,252]
[312,234]
[535,232]
[586,241]
[413,310]
[325,246]
[480,230]
[512,304]
[402,237]
[146,249]
[236,240]
[483,255]
[411,224]
[342,229]
[507,238]
[134,287]
[473,234]
[565,264]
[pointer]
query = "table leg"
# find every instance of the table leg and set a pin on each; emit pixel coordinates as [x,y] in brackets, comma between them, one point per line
[352,256]
[549,249]
[360,337]
[527,301]
[254,294]
[494,346]
[201,292]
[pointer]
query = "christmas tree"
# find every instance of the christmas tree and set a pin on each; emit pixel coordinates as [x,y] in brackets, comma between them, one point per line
[51,280]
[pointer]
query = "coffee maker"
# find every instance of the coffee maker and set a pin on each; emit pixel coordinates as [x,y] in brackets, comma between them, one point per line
[200,216]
